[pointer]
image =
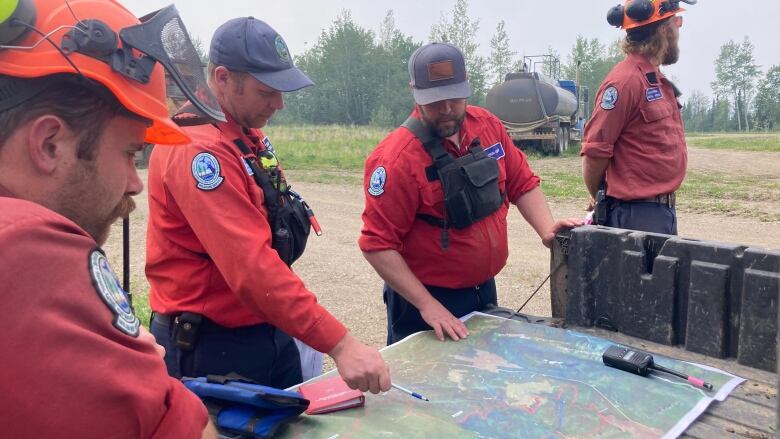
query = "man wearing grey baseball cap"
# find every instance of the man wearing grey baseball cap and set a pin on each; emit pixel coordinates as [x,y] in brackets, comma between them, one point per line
[224,229]
[438,190]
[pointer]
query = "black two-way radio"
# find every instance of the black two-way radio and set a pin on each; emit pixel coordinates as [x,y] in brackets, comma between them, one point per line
[641,363]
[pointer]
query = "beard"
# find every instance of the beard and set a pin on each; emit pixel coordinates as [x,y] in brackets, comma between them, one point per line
[99,229]
[672,54]
[82,199]
[444,127]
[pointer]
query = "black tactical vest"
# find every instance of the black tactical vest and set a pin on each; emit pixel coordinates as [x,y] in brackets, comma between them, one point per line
[287,212]
[470,182]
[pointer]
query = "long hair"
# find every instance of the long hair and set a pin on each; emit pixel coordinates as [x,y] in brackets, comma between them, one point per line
[653,45]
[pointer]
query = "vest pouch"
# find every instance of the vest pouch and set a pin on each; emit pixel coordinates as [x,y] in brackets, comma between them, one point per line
[459,213]
[290,228]
[471,191]
[484,193]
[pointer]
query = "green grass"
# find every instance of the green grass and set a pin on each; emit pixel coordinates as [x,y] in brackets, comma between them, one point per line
[563,185]
[766,142]
[332,147]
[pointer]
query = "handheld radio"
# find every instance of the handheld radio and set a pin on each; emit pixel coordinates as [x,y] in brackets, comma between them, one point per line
[641,363]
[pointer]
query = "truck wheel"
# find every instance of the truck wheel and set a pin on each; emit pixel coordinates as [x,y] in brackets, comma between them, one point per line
[560,145]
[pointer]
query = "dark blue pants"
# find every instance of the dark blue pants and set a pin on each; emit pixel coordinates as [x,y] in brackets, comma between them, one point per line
[643,216]
[404,319]
[261,353]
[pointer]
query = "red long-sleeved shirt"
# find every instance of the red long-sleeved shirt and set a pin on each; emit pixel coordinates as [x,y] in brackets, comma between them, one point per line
[390,221]
[208,246]
[68,369]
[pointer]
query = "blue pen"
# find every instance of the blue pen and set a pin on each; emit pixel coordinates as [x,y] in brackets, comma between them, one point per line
[409,392]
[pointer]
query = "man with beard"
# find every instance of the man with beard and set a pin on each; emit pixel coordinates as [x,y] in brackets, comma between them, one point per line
[77,363]
[634,143]
[224,296]
[438,194]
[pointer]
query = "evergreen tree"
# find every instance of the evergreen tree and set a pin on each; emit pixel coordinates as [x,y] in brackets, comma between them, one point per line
[342,64]
[595,61]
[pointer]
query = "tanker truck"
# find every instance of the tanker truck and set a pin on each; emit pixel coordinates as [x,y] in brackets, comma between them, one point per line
[539,113]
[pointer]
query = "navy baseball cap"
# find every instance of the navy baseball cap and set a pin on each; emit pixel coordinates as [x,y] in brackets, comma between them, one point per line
[249,45]
[438,72]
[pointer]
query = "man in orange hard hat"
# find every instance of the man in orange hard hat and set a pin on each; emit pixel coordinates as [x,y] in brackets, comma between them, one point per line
[81,89]
[634,143]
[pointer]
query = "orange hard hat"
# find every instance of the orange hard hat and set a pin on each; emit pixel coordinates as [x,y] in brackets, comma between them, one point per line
[81,37]
[636,13]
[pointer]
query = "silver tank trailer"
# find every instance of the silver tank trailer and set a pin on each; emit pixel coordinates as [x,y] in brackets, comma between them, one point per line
[528,99]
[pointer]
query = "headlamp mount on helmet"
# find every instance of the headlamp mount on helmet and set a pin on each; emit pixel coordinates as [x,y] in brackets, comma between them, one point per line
[640,11]
[160,38]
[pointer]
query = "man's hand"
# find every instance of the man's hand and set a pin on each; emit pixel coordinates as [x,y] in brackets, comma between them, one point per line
[360,366]
[146,336]
[591,204]
[210,432]
[442,321]
[560,224]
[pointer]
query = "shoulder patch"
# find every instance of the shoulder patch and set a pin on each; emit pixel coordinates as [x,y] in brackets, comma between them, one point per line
[376,185]
[653,94]
[495,151]
[609,98]
[110,290]
[205,170]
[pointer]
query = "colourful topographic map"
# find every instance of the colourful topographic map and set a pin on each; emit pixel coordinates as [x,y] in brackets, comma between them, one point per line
[511,379]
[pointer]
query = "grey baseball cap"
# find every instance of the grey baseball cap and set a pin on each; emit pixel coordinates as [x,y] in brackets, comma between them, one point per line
[438,72]
[247,44]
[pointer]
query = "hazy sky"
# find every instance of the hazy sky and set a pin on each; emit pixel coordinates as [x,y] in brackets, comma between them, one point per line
[533,26]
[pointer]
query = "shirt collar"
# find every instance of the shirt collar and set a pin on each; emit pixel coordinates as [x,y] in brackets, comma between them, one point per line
[645,66]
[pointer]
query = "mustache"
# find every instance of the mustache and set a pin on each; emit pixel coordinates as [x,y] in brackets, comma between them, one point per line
[124,208]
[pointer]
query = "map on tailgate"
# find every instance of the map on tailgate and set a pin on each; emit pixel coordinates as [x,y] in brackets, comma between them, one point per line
[512,379]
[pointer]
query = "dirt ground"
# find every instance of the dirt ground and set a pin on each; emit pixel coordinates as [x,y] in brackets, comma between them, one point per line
[335,270]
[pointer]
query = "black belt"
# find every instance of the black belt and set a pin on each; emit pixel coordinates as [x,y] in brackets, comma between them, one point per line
[668,200]
[185,328]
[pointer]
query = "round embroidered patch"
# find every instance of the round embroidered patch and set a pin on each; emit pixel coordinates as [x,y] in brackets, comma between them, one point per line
[609,98]
[281,49]
[205,169]
[376,186]
[110,290]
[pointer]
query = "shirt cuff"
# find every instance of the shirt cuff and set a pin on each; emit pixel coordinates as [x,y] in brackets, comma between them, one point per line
[597,150]
[368,243]
[325,334]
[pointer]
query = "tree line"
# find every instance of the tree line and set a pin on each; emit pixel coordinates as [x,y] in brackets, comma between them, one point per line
[362,76]
[743,98]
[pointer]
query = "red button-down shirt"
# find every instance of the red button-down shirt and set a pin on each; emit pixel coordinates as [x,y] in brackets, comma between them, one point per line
[390,221]
[67,370]
[639,126]
[208,249]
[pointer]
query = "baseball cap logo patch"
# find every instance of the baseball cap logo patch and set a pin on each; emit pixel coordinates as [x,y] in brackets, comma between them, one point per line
[281,49]
[440,71]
